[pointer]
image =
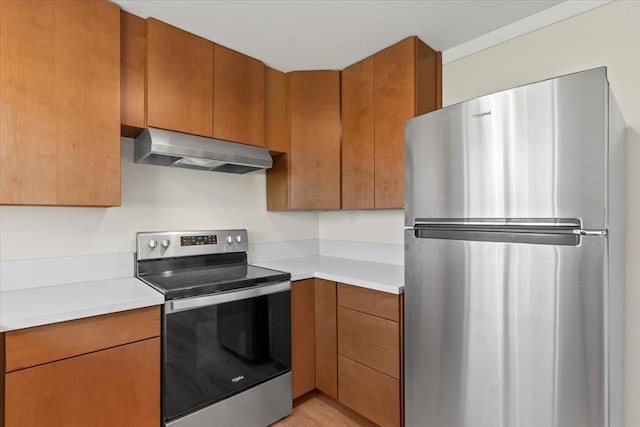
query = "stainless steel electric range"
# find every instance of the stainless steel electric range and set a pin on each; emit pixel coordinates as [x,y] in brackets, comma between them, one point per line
[226,329]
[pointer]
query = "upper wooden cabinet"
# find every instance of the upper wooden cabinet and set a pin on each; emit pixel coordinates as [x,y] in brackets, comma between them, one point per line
[59,103]
[238,97]
[192,85]
[179,94]
[133,54]
[358,135]
[276,138]
[308,175]
[276,128]
[378,95]
[314,120]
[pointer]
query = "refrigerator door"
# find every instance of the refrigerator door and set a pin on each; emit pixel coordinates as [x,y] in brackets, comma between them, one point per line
[536,151]
[505,334]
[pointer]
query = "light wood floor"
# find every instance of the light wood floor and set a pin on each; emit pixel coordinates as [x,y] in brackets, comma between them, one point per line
[319,410]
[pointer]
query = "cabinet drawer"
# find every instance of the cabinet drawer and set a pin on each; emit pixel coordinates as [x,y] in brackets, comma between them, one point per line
[370,340]
[369,392]
[115,387]
[42,344]
[381,304]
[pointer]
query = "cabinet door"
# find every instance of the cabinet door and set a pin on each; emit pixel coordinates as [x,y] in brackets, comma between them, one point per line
[303,365]
[358,136]
[370,340]
[395,102]
[238,97]
[119,386]
[133,54]
[314,118]
[276,131]
[56,341]
[369,392]
[276,138]
[326,337]
[179,93]
[59,103]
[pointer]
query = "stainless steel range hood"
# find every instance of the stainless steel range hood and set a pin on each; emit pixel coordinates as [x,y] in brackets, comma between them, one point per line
[166,148]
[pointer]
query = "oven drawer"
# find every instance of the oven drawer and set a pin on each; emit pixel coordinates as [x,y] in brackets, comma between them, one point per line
[48,343]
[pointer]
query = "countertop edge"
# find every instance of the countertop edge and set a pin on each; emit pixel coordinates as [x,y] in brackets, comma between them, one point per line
[320,267]
[93,301]
[30,322]
[382,287]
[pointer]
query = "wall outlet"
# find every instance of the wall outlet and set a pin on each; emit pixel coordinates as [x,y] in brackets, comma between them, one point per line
[351,219]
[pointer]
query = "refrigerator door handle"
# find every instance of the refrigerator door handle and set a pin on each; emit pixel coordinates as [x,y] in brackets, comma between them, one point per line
[525,223]
[512,234]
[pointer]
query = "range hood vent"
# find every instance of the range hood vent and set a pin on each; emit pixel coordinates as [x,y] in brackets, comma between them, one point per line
[166,148]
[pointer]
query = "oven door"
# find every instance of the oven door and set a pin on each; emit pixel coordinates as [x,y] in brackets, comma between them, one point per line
[216,346]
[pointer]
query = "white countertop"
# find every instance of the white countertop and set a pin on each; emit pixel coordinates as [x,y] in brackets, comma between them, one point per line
[29,307]
[35,306]
[372,275]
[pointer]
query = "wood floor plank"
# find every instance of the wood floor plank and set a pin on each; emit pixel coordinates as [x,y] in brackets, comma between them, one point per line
[316,409]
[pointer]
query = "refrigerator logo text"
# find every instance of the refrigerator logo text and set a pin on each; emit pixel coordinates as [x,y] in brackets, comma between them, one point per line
[481,115]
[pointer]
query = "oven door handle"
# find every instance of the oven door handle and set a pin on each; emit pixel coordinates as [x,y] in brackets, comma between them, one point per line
[205,301]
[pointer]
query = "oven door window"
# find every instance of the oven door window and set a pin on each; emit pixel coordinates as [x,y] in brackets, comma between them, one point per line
[214,352]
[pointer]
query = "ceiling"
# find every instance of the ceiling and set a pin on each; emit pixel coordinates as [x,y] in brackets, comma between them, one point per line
[330,34]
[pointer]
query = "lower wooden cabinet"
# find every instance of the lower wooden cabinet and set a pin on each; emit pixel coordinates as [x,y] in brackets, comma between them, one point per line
[314,337]
[372,394]
[114,387]
[347,342]
[370,340]
[303,357]
[97,371]
[326,337]
[370,356]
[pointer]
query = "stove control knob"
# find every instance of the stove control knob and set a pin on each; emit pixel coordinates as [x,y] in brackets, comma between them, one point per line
[229,239]
[165,243]
[239,239]
[152,244]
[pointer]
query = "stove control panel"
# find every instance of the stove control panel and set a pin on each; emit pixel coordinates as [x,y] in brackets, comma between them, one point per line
[210,239]
[168,244]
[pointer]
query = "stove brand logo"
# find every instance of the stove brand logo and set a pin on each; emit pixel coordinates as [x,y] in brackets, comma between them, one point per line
[481,115]
[237,379]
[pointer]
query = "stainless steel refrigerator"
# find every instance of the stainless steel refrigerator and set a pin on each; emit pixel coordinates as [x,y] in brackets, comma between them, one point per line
[514,259]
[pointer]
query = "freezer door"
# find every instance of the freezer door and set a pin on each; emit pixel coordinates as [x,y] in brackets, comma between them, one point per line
[537,151]
[503,334]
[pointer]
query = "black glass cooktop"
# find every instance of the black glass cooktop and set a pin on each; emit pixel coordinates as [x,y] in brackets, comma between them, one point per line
[205,274]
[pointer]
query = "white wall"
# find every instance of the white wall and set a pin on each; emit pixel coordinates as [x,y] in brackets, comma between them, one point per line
[153,198]
[381,226]
[609,35]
